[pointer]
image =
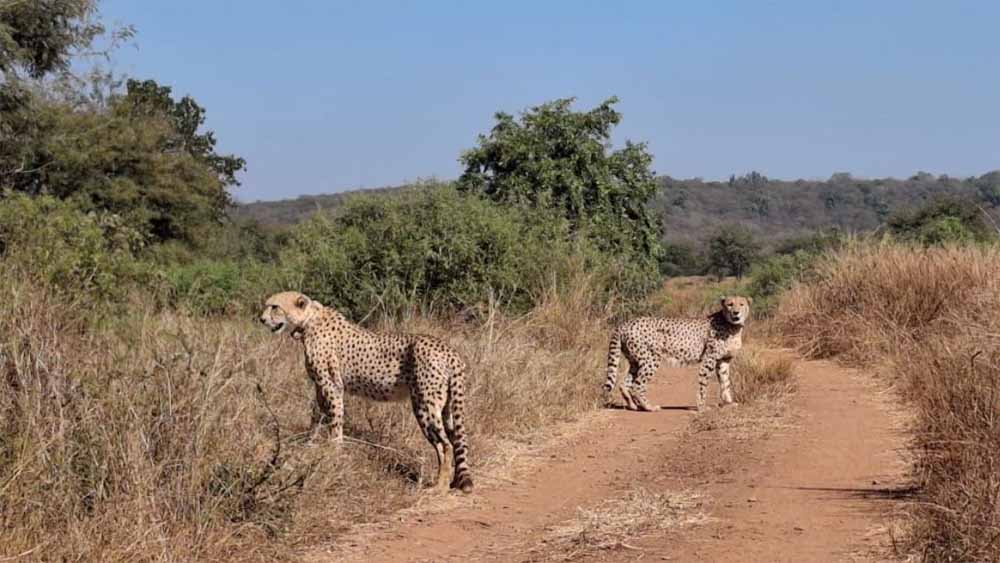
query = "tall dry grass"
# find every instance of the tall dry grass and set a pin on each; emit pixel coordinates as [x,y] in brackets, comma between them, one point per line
[930,318]
[157,436]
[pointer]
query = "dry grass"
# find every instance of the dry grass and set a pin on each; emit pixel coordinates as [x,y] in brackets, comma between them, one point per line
[760,376]
[613,523]
[928,317]
[163,437]
[875,299]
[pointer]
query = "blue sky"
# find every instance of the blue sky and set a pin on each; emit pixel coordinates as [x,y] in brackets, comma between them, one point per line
[324,96]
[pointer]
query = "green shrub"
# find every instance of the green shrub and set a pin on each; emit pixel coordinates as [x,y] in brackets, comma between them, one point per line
[430,245]
[73,251]
[943,221]
[944,230]
[433,246]
[221,287]
[818,241]
[774,275]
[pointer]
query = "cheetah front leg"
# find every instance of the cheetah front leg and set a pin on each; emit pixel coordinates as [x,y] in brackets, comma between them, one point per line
[646,372]
[633,371]
[328,412]
[724,384]
[708,366]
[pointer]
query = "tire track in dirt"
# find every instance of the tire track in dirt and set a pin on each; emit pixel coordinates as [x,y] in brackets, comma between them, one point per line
[813,491]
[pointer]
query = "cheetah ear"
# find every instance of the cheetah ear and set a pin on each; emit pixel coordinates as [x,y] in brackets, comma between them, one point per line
[722,300]
[749,300]
[301,302]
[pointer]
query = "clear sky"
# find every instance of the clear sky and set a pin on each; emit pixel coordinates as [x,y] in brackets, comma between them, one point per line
[324,96]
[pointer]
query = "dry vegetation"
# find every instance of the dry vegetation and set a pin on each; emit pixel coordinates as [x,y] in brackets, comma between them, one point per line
[927,317]
[158,436]
[613,523]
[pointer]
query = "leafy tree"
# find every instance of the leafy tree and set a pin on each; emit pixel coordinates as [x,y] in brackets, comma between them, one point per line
[39,36]
[147,99]
[141,157]
[752,179]
[556,157]
[731,251]
[680,259]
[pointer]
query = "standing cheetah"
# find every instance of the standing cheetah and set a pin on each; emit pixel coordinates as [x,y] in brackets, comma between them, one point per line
[344,357]
[647,341]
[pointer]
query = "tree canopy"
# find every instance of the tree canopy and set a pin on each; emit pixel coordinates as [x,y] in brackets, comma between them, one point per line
[556,157]
[140,156]
[731,251]
[39,36]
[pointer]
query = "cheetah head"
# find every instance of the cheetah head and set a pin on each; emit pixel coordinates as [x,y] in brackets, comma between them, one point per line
[289,310]
[736,309]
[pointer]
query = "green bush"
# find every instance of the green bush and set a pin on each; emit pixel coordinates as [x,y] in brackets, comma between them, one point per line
[816,242]
[206,287]
[774,275]
[794,262]
[429,245]
[943,221]
[75,252]
[433,246]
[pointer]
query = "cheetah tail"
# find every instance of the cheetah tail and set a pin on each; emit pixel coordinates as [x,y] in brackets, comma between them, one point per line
[455,424]
[614,355]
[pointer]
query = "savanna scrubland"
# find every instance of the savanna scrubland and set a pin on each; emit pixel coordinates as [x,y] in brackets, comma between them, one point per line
[144,415]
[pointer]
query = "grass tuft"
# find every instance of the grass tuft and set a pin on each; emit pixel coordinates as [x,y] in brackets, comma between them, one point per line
[613,523]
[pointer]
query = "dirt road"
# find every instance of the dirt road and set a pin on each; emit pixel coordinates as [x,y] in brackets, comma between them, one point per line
[815,485]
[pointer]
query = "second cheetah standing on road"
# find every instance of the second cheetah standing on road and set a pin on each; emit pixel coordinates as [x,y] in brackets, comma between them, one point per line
[649,341]
[342,357]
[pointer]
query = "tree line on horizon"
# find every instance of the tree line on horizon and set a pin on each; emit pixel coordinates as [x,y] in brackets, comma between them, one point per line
[773,215]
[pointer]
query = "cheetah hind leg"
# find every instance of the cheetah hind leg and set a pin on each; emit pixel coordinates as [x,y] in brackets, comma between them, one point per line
[445,456]
[432,425]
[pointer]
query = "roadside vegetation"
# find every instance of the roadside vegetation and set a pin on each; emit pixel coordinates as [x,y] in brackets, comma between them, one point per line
[924,318]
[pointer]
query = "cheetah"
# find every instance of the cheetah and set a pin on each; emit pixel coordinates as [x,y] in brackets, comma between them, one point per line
[648,341]
[342,357]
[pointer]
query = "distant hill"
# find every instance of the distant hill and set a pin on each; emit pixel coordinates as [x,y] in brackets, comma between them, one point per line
[287,212]
[777,209]
[774,209]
